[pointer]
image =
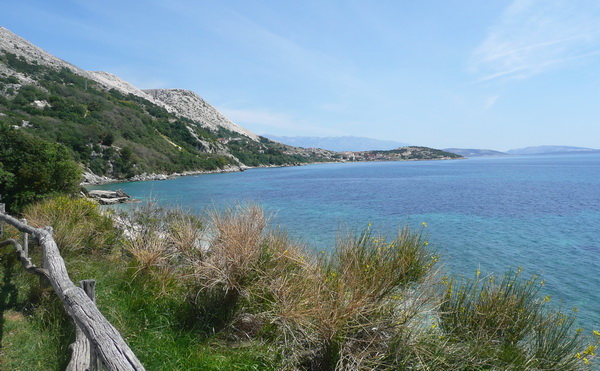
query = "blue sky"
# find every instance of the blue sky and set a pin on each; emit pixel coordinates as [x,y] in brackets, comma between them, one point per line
[442,73]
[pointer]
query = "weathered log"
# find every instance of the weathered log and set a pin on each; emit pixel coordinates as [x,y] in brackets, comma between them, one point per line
[83,357]
[104,338]
[24,259]
[80,353]
[25,239]
[2,211]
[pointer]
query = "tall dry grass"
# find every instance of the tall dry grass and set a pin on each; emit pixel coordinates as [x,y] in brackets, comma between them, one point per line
[341,310]
[231,261]
[77,223]
[372,302]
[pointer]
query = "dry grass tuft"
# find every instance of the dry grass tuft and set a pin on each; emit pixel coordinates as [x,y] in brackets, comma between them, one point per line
[234,250]
[340,310]
[78,225]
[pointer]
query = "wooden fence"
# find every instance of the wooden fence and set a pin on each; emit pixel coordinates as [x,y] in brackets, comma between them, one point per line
[98,344]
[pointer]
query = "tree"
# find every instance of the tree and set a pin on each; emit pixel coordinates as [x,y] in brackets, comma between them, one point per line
[32,169]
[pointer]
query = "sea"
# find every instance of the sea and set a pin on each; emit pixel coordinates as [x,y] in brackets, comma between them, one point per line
[539,213]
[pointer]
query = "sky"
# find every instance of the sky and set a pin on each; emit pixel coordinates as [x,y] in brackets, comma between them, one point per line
[499,74]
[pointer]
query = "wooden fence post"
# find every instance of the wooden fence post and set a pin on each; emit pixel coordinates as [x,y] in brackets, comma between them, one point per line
[104,337]
[83,357]
[2,210]
[89,286]
[25,240]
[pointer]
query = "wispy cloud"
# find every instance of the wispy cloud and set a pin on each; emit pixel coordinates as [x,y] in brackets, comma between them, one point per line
[261,121]
[490,102]
[258,117]
[534,36]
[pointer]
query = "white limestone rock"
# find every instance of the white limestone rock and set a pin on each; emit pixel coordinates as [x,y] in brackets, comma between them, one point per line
[188,104]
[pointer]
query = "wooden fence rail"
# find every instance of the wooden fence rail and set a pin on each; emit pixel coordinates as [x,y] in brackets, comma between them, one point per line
[104,340]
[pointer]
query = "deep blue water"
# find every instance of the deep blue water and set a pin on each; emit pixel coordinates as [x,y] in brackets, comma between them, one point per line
[541,213]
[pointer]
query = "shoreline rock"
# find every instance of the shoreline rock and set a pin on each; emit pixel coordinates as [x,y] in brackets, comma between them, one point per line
[90,178]
[110,197]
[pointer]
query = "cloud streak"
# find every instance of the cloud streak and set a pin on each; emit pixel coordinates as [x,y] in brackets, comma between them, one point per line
[490,102]
[535,36]
[261,120]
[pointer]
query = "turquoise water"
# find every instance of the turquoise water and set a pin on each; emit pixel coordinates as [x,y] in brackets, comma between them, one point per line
[541,213]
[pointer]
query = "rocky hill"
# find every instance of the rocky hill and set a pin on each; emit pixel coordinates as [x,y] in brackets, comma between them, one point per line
[184,103]
[405,154]
[188,104]
[11,43]
[117,131]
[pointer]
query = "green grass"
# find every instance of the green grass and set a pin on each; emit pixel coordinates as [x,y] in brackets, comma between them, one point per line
[153,324]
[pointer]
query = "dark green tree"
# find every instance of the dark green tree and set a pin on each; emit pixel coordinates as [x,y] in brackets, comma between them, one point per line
[32,168]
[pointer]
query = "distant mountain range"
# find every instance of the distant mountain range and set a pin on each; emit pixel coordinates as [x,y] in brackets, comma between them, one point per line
[338,144]
[536,150]
[541,150]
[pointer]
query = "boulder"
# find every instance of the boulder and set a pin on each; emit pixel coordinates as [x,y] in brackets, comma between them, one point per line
[109,197]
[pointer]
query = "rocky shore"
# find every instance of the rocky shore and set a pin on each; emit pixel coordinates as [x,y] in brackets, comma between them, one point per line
[90,178]
[110,197]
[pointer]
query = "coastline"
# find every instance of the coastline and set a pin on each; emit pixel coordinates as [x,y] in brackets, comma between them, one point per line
[91,179]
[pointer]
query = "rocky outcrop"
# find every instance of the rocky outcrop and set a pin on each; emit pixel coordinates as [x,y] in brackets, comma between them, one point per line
[90,178]
[182,102]
[188,104]
[21,47]
[111,81]
[32,53]
[109,197]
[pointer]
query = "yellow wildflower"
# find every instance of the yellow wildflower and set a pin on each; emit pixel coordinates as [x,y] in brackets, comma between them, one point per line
[424,224]
[590,350]
[596,332]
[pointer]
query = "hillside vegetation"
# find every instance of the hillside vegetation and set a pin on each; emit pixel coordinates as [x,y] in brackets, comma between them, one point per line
[115,134]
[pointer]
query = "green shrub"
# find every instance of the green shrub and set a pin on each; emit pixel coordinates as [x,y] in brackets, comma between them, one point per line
[507,323]
[33,169]
[78,225]
[339,311]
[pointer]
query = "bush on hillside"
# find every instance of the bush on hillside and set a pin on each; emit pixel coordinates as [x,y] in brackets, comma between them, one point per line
[78,226]
[32,169]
